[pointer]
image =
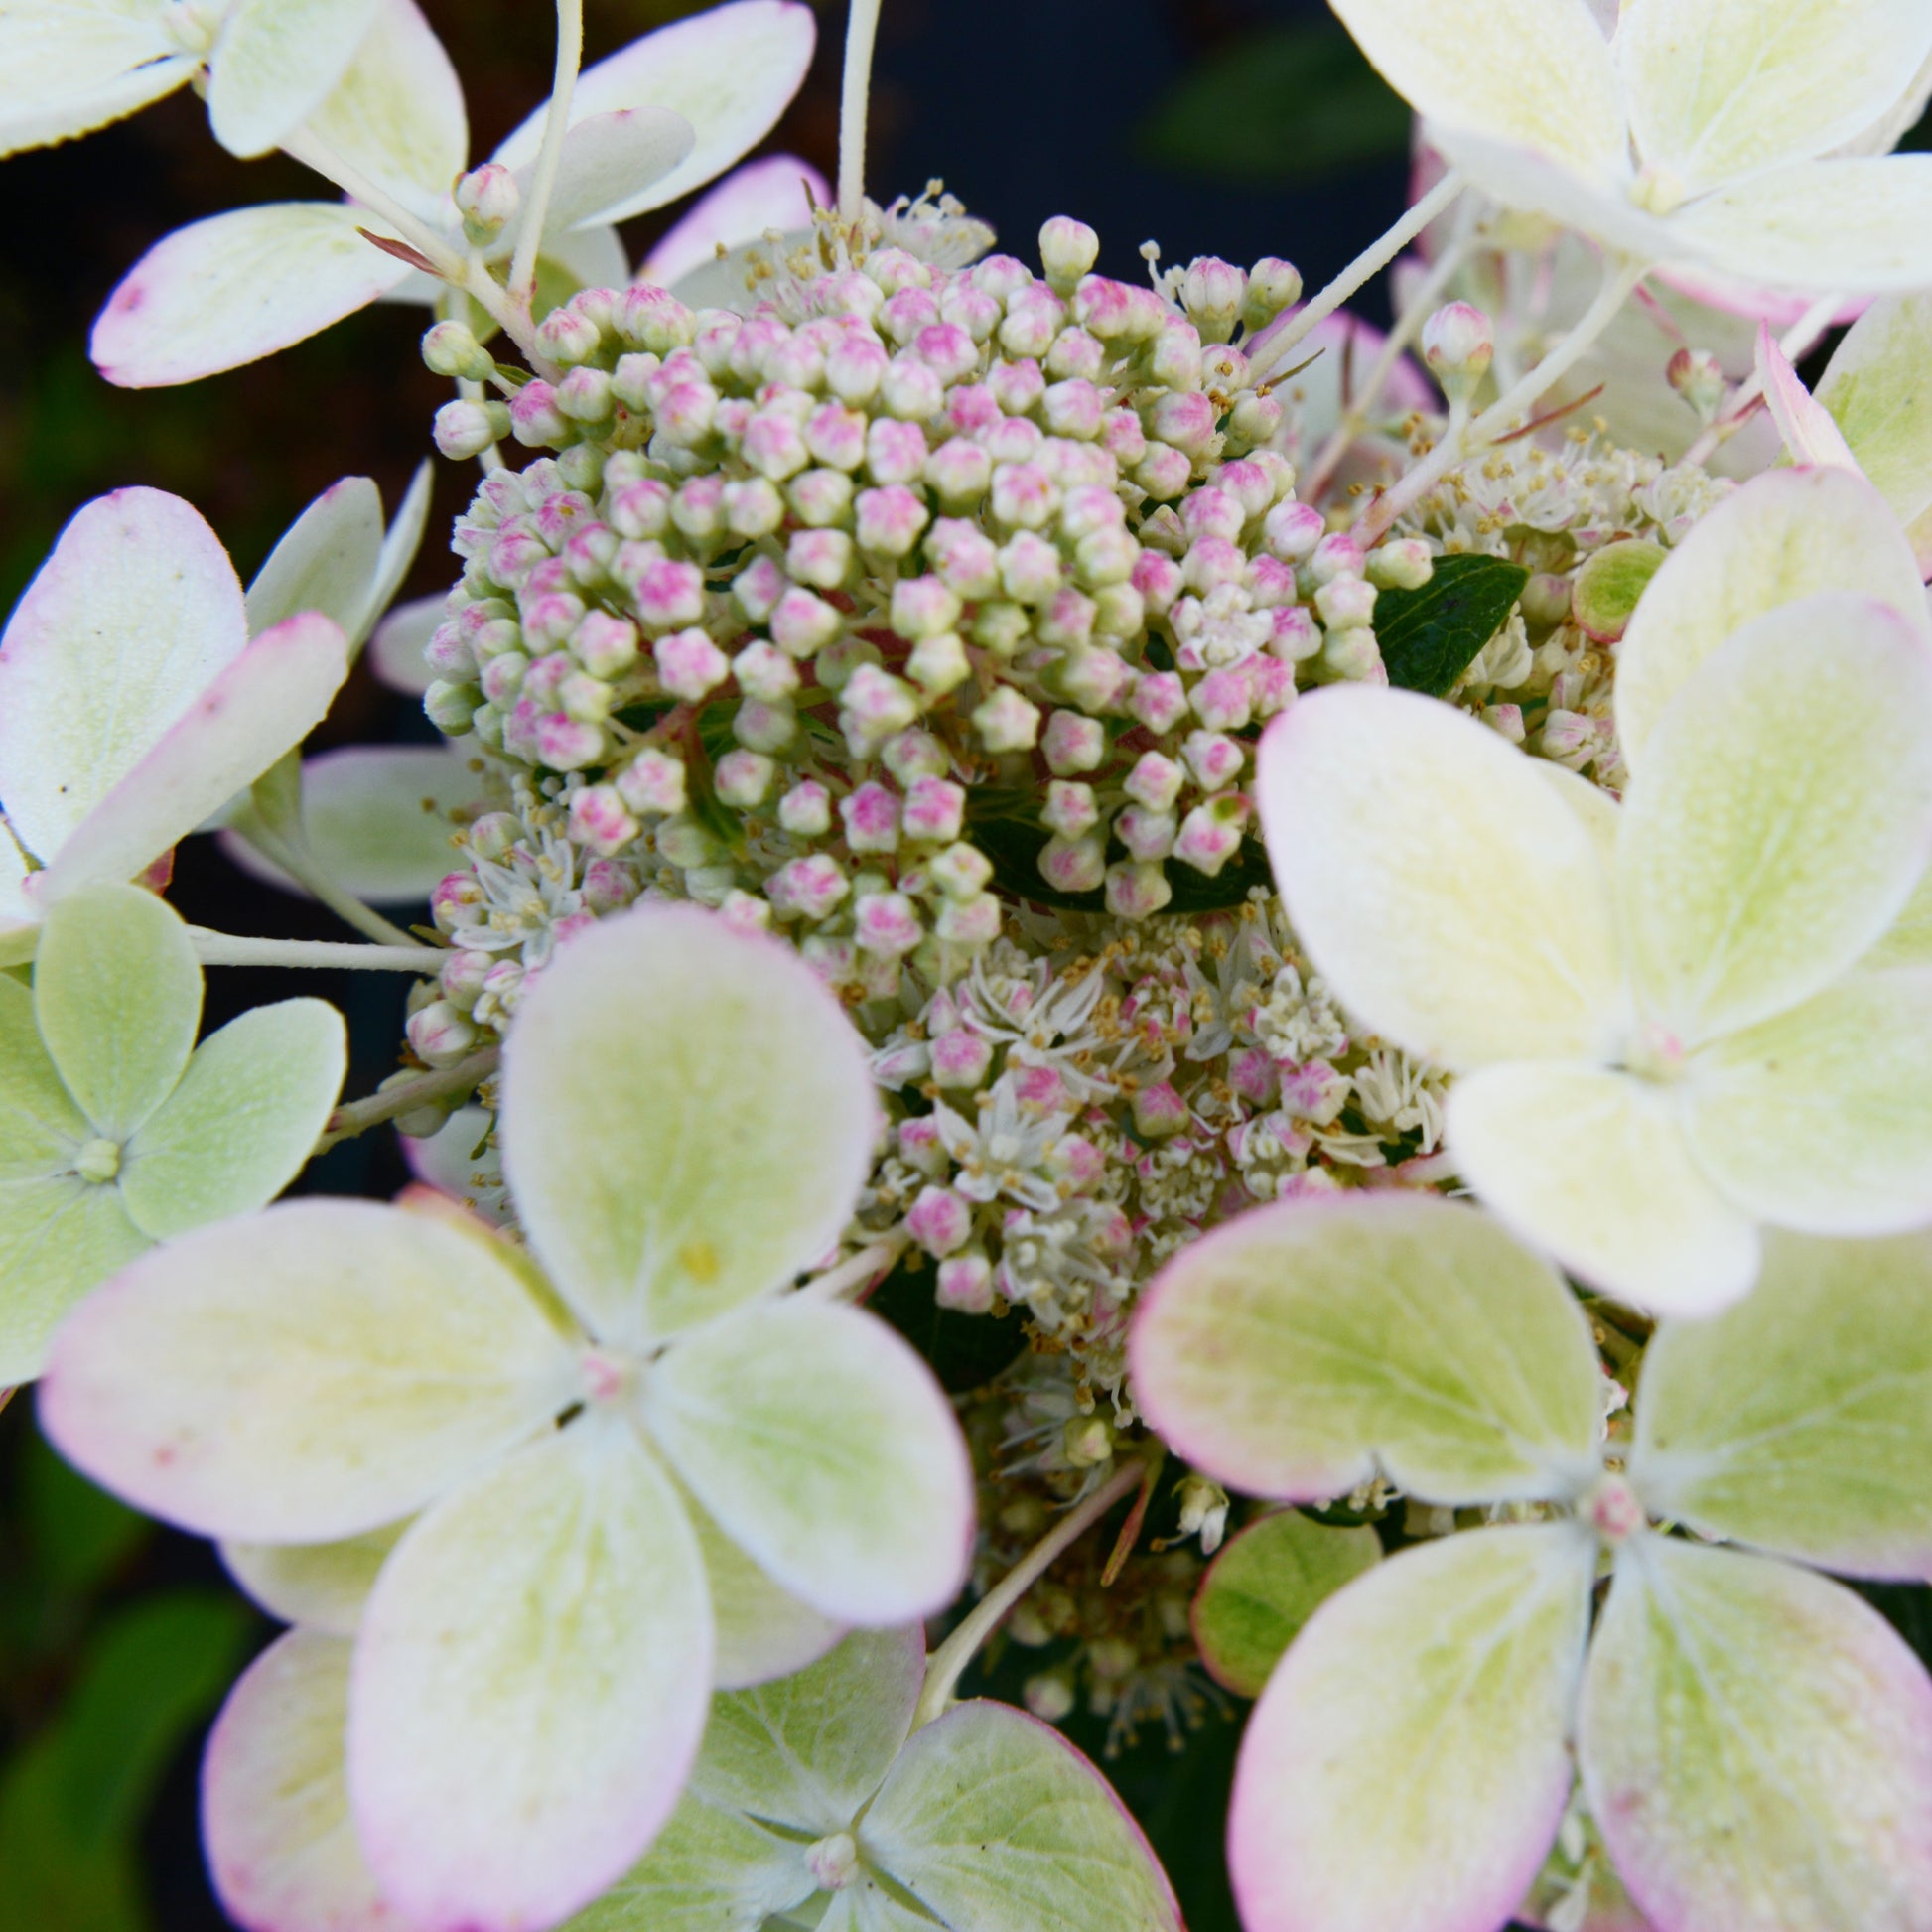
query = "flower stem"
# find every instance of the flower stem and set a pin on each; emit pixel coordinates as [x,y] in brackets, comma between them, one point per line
[556,124]
[862,26]
[1620,275]
[231,949]
[1796,343]
[946,1664]
[359,1116]
[1371,261]
[302,866]
[309,148]
[855,1277]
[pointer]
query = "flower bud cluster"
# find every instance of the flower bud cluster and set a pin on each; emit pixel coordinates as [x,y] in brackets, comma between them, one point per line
[803,598]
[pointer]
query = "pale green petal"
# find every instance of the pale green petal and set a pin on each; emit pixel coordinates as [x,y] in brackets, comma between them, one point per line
[40,1126]
[118,991]
[318,1586]
[57,1240]
[993,1823]
[1802,1420]
[762,1632]
[1822,1118]
[129,621]
[1908,942]
[823,1446]
[281,1846]
[687,1119]
[69,67]
[1596,1168]
[244,1121]
[606,158]
[1779,820]
[1879,388]
[274,63]
[1265,1584]
[866,1906]
[1725,87]
[531,1683]
[807,1752]
[1757,1744]
[1783,536]
[1407,1766]
[310,1372]
[1401,833]
[1534,72]
[397,114]
[376,819]
[396,645]
[400,543]
[324,561]
[1855,225]
[709,1870]
[1301,1347]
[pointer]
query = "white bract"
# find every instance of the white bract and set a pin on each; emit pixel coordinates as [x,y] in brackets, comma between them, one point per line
[1656,1014]
[1723,131]
[134,703]
[648,125]
[115,1130]
[69,67]
[686,1122]
[1756,1742]
[812,1796]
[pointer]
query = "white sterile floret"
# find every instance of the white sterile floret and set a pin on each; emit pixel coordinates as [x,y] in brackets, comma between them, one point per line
[1663,1022]
[1721,131]
[686,1122]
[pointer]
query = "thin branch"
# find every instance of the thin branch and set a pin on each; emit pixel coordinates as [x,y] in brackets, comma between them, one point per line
[1371,261]
[307,870]
[855,1276]
[861,27]
[1797,343]
[945,1666]
[309,148]
[231,949]
[556,124]
[359,1116]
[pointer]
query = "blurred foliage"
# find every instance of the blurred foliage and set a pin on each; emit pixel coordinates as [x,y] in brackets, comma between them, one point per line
[1284,105]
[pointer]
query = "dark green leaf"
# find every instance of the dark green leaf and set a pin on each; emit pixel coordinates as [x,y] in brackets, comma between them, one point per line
[79,1534]
[965,1352]
[1290,105]
[1432,636]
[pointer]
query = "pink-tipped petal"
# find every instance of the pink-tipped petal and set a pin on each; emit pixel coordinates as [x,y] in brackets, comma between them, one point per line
[237,287]
[778,192]
[263,705]
[1806,424]
[731,71]
[1407,1766]
[137,611]
[530,1685]
[324,561]
[281,1847]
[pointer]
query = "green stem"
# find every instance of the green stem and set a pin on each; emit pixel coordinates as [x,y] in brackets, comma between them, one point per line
[231,949]
[862,28]
[305,870]
[946,1664]
[359,1116]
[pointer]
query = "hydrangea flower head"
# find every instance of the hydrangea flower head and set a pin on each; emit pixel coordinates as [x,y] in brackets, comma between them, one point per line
[687,1120]
[1657,1013]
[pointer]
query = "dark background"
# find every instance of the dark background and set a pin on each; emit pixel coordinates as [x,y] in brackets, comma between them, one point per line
[1231,127]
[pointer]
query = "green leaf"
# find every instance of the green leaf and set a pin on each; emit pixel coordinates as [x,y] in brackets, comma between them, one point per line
[73,1802]
[1431,637]
[1266,1583]
[1287,105]
[79,1534]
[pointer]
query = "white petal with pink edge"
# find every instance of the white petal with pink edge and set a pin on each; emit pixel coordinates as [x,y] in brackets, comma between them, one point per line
[1783,536]
[1757,1745]
[237,287]
[687,1119]
[607,158]
[1594,1168]
[822,1445]
[778,192]
[731,71]
[273,63]
[261,706]
[1303,1347]
[530,1685]
[1400,831]
[132,616]
[1407,1764]
[1810,434]
[281,1846]
[307,1373]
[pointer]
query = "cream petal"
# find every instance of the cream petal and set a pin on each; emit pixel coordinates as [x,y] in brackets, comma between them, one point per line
[777,192]
[1595,1168]
[396,645]
[1878,388]
[274,63]
[69,67]
[324,561]
[318,1585]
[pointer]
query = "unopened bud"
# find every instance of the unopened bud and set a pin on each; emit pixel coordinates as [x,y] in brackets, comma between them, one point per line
[1213,293]
[1273,285]
[467,429]
[1697,376]
[1459,345]
[450,349]
[487,198]
[438,1034]
[1068,250]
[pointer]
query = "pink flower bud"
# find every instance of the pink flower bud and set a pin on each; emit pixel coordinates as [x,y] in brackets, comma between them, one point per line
[1160,701]
[1073,744]
[871,818]
[1068,250]
[960,870]
[1458,345]
[960,1058]
[920,1146]
[888,521]
[487,198]
[567,743]
[1158,1111]
[439,1035]
[599,820]
[969,924]
[1292,635]
[1213,293]
[934,811]
[939,1221]
[1346,603]
[1293,530]
[1006,722]
[689,665]
[906,310]
[1185,419]
[803,623]
[1405,565]
[1070,809]
[654,782]
[964,558]
[466,429]
[1163,471]
[808,888]
[887,924]
[805,812]
[669,594]
[966,1283]
[744,778]
[1210,835]
[462,977]
[1075,1163]
[1214,758]
[1145,834]
[1073,864]
[1030,570]
[1018,386]
[535,419]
